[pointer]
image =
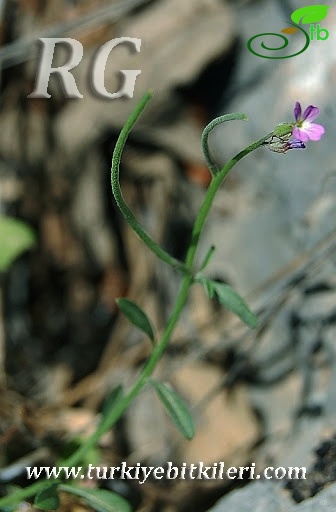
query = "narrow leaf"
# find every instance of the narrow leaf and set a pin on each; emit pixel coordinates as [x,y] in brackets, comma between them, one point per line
[15,238]
[100,500]
[208,257]
[232,301]
[136,316]
[47,499]
[208,286]
[176,408]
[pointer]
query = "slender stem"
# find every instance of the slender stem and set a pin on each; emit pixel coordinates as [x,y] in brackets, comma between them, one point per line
[22,494]
[205,135]
[187,281]
[214,186]
[142,379]
[125,210]
[120,407]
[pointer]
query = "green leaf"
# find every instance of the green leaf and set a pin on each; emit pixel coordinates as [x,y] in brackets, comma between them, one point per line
[310,14]
[208,257]
[15,238]
[230,299]
[136,316]
[176,408]
[47,499]
[100,499]
[209,288]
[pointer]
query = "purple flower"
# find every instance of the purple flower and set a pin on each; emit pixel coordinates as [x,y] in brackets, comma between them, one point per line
[295,144]
[304,129]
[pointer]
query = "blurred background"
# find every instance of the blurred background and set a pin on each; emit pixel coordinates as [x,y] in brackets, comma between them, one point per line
[266,396]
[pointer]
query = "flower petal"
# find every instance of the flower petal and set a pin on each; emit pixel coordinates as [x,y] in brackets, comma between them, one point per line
[297,111]
[300,134]
[311,113]
[296,144]
[314,131]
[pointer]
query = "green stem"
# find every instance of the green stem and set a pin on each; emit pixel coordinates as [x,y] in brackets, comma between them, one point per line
[120,407]
[213,188]
[205,135]
[147,371]
[115,182]
[22,494]
[187,281]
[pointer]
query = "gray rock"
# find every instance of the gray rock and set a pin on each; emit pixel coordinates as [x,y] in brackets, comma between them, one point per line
[266,496]
[284,203]
[325,501]
[259,497]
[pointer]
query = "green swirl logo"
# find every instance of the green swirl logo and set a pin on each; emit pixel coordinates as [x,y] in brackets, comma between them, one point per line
[305,15]
[284,45]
